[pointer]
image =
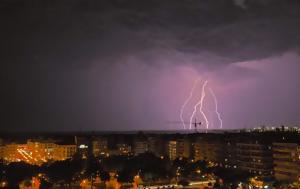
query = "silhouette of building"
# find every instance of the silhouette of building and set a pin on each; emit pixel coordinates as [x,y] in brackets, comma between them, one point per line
[157,146]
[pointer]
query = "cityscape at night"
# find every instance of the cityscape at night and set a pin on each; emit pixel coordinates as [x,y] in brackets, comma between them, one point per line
[263,157]
[149,94]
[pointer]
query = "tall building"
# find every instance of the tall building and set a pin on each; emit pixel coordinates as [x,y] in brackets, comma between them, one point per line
[172,149]
[157,146]
[179,148]
[83,146]
[208,149]
[255,158]
[286,161]
[99,146]
[228,156]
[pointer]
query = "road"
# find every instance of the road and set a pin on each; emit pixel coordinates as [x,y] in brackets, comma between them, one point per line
[193,184]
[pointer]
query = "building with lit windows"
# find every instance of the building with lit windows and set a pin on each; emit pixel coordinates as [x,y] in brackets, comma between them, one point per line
[255,158]
[15,153]
[228,155]
[207,149]
[99,146]
[63,152]
[140,146]
[83,146]
[286,158]
[123,149]
[179,148]
[157,146]
[37,152]
[172,149]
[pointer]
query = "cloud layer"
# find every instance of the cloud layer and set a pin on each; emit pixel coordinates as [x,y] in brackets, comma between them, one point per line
[128,64]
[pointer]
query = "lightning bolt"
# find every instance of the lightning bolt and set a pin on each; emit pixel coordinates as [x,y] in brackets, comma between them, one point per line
[186,102]
[216,107]
[200,103]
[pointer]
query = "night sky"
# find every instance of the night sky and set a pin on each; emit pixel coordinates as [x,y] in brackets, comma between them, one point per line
[130,64]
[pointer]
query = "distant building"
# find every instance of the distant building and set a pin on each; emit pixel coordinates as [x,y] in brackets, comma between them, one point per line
[124,149]
[286,161]
[16,153]
[83,146]
[99,146]
[255,158]
[229,155]
[157,146]
[209,150]
[172,149]
[140,146]
[37,152]
[179,148]
[63,152]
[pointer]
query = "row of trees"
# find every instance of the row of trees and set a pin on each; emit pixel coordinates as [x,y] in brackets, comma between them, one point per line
[75,169]
[59,172]
[147,166]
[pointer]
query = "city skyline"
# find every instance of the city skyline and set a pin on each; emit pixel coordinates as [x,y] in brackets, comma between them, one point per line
[122,65]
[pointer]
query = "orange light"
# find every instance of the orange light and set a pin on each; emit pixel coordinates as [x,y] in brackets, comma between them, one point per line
[3,184]
[84,183]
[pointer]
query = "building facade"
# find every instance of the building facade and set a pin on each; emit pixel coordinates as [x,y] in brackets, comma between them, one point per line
[123,149]
[100,147]
[36,152]
[157,146]
[179,148]
[286,161]
[255,158]
[140,146]
[63,152]
[209,150]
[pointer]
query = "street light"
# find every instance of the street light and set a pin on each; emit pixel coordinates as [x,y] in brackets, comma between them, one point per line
[3,184]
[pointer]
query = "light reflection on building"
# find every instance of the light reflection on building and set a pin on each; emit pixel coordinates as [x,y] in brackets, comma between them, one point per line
[36,152]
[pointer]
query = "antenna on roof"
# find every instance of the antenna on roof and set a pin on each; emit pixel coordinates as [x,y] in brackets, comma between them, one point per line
[196,124]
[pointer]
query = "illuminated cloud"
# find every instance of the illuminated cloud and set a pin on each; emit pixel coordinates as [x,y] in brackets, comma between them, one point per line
[129,64]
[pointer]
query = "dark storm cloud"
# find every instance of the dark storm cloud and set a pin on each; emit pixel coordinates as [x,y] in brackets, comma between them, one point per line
[48,47]
[73,32]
